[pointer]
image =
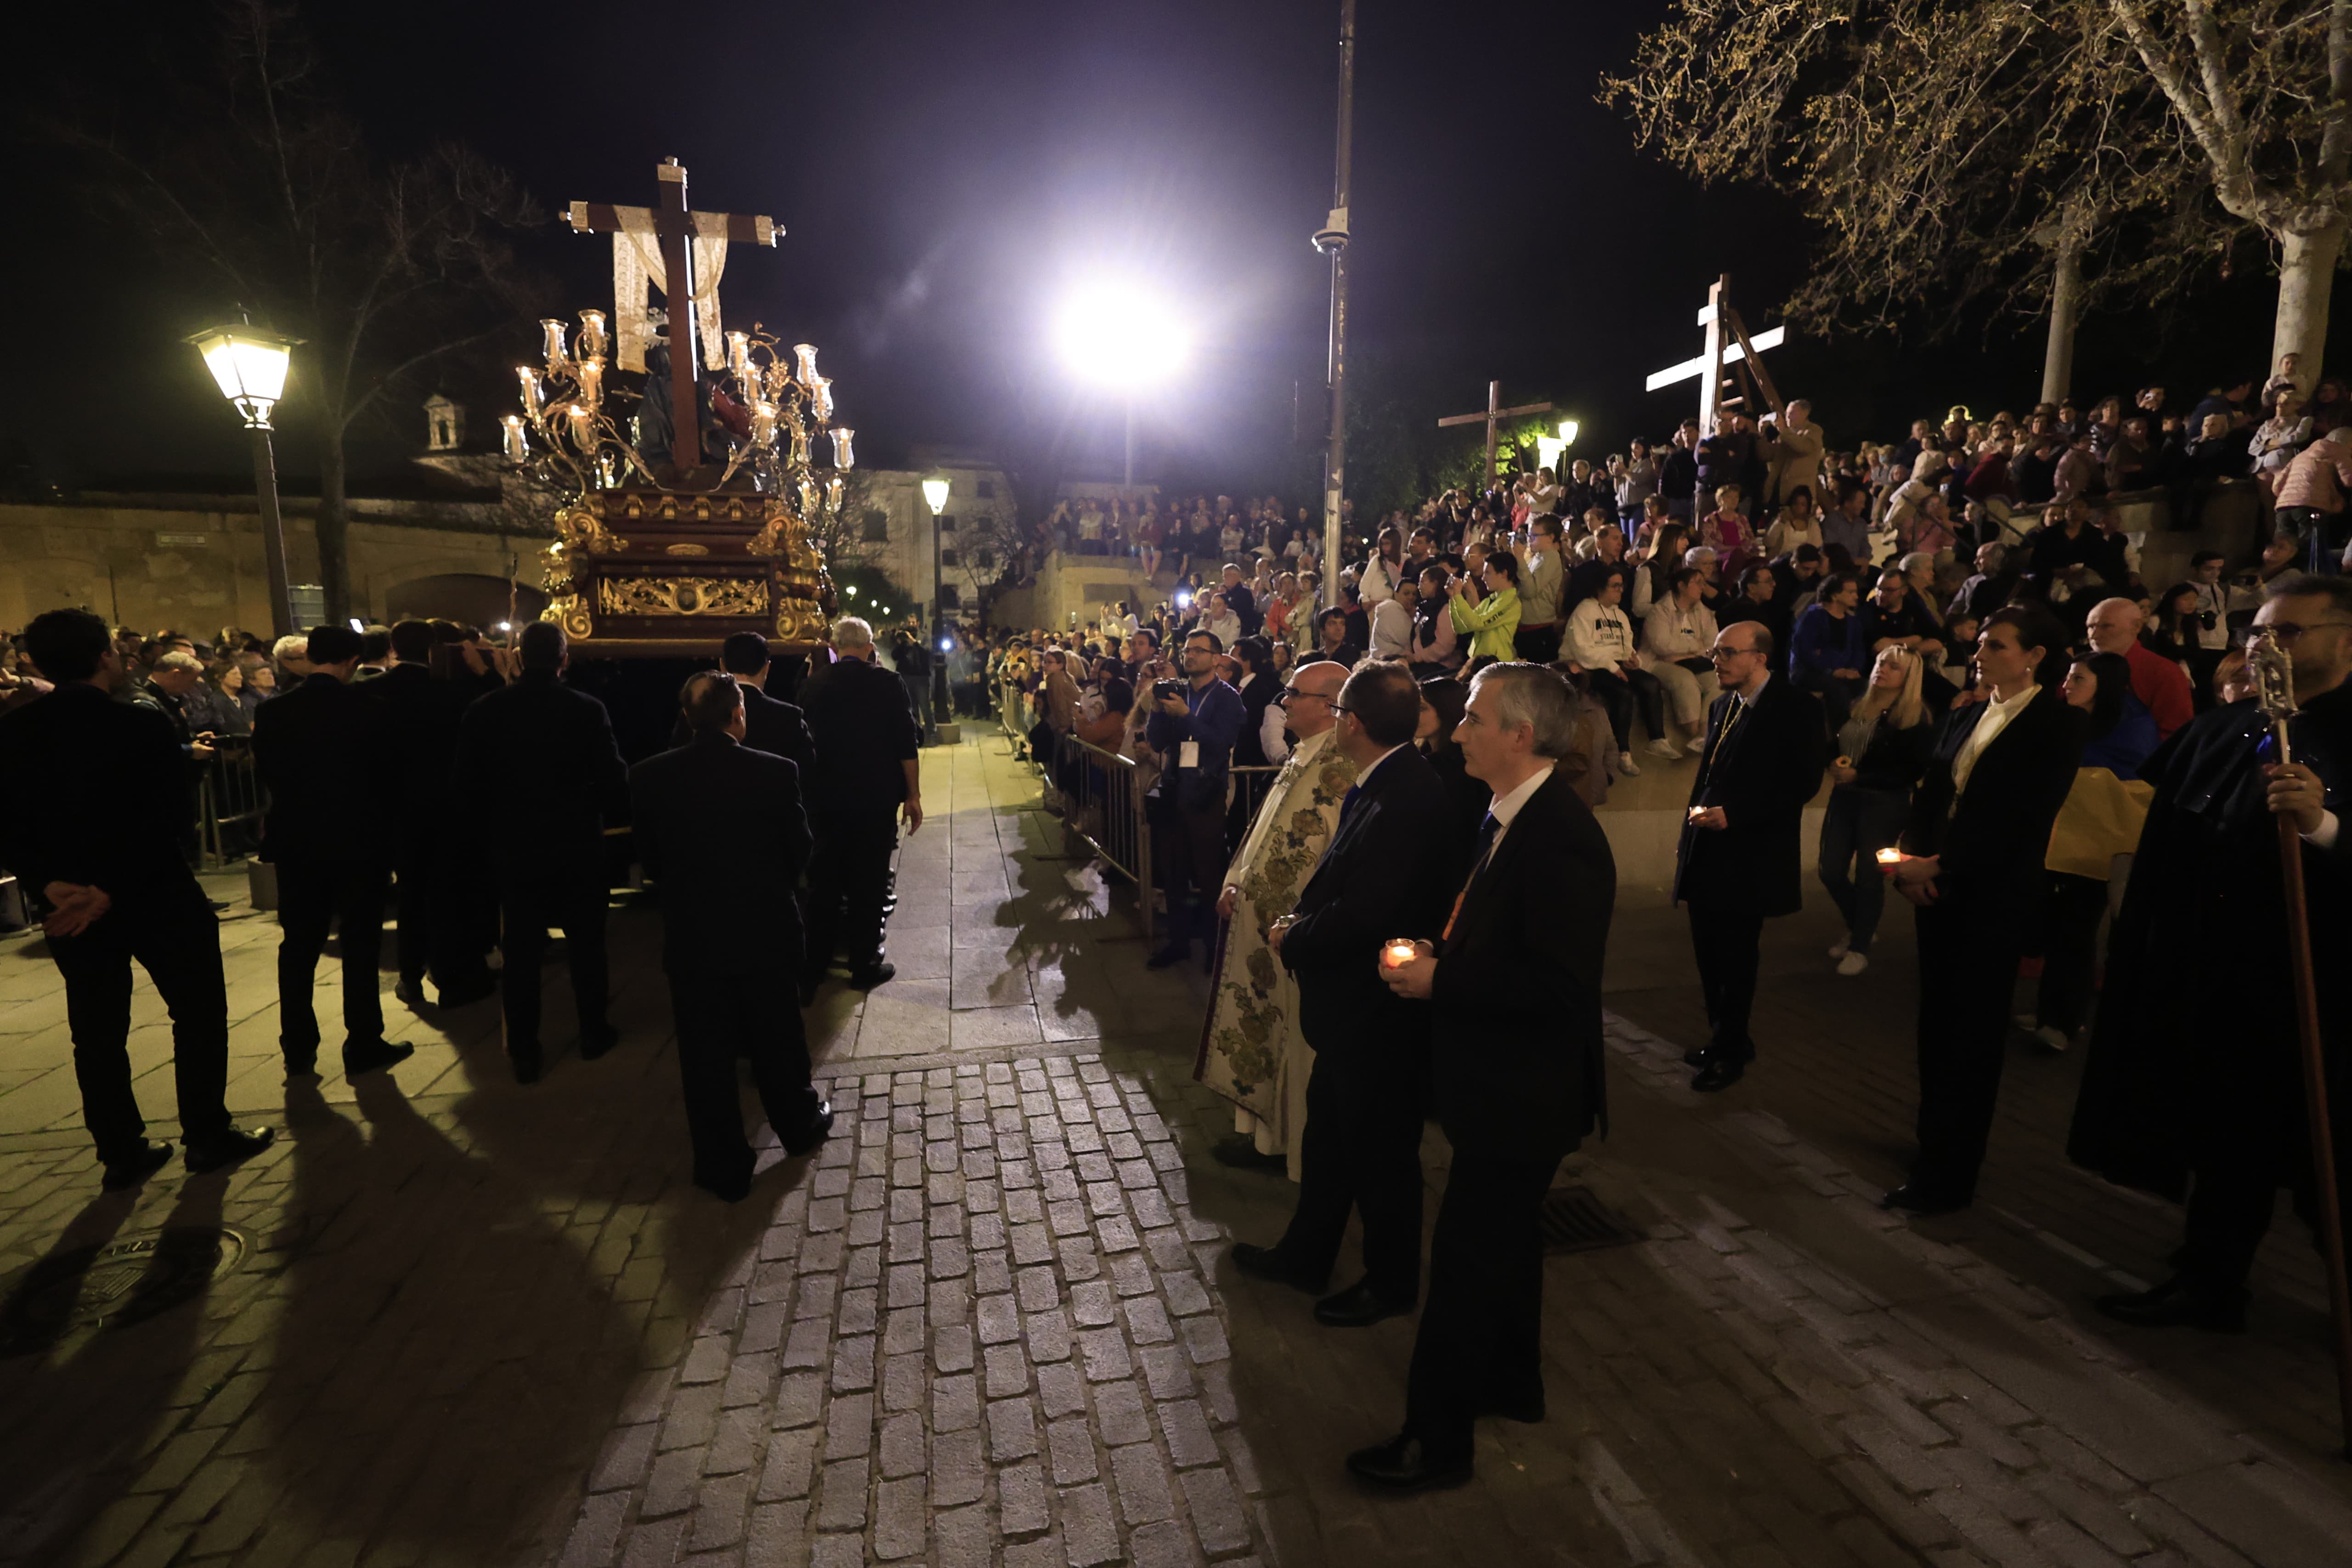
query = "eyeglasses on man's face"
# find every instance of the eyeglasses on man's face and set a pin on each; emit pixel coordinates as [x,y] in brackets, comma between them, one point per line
[1292,693]
[1720,654]
[2284,631]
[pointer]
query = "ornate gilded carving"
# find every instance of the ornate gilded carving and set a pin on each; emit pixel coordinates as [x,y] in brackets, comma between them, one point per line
[570,614]
[578,531]
[689,548]
[682,596]
[776,538]
[799,619]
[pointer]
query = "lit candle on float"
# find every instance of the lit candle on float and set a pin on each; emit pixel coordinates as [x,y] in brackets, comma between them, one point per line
[591,335]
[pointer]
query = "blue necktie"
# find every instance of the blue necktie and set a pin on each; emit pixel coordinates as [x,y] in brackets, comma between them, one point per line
[1488,830]
[1347,801]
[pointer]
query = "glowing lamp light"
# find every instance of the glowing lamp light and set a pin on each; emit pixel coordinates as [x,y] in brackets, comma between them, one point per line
[946,647]
[517,443]
[249,364]
[1568,432]
[845,455]
[1121,336]
[934,494]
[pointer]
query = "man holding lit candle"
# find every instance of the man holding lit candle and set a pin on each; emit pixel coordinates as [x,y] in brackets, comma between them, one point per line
[1515,976]
[1385,875]
[1737,865]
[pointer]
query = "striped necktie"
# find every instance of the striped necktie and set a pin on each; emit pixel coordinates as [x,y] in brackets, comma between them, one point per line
[1488,831]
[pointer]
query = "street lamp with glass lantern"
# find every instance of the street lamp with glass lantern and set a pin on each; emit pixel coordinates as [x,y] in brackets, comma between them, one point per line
[250,365]
[935,496]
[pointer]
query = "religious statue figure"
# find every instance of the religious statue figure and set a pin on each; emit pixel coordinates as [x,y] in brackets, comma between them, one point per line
[653,424]
[1252,1052]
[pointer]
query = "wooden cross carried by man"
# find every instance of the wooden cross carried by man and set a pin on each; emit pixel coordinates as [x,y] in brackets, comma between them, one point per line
[1490,418]
[1744,352]
[686,237]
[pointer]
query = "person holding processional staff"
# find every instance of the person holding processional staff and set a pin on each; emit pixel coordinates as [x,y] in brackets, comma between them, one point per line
[2194,1087]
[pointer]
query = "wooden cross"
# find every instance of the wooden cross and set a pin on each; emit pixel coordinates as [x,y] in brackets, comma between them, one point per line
[675,225]
[1709,367]
[1490,418]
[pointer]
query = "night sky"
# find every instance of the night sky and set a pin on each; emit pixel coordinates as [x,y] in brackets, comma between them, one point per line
[946,172]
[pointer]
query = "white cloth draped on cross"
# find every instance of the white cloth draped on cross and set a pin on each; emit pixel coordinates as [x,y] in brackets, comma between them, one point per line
[638,260]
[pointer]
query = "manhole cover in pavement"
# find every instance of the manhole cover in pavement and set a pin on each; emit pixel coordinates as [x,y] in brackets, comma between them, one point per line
[124,1282]
[1575,1221]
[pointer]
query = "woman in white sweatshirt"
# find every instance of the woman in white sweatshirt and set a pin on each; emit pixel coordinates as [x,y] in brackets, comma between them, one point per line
[1599,644]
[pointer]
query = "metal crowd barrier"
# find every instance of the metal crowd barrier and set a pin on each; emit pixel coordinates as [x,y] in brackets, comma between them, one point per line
[1103,807]
[229,803]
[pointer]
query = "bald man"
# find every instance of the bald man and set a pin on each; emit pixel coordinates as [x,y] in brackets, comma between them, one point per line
[2161,685]
[1254,1054]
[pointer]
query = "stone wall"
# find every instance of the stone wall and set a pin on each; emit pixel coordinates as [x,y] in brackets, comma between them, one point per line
[194,562]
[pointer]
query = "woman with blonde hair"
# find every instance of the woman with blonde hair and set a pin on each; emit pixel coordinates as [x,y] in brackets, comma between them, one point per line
[1882,750]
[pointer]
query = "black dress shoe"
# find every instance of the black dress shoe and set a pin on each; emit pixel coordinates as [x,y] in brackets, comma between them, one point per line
[375,1056]
[1914,1198]
[1168,957]
[528,1068]
[132,1168]
[226,1148]
[1268,1263]
[1522,1407]
[302,1068]
[811,1133]
[1359,1307]
[867,979]
[2177,1302]
[1719,1073]
[1240,1151]
[409,993]
[594,1043]
[1404,1463]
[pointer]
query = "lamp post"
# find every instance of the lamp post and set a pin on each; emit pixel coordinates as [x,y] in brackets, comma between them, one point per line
[1331,240]
[250,366]
[935,496]
[1122,336]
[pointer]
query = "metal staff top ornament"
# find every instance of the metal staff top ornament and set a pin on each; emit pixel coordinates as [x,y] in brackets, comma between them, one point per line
[2273,672]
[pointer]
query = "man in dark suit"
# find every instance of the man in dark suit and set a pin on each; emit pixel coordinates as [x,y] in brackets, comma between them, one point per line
[91,796]
[721,826]
[1386,874]
[323,753]
[541,758]
[777,728]
[1737,865]
[1516,1031]
[1978,832]
[421,716]
[867,776]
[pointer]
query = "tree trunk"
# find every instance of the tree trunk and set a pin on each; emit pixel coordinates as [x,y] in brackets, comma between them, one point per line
[2066,313]
[334,522]
[2306,274]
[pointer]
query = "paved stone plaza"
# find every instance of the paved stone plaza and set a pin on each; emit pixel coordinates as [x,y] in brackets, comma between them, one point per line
[470,1323]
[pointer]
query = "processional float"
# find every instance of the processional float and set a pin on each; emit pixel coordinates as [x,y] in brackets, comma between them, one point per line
[693,517]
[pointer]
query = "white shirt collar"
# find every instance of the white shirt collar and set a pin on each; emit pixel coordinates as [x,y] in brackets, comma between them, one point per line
[1364,774]
[1506,807]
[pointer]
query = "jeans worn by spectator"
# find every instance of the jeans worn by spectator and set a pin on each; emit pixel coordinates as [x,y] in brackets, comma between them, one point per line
[1856,824]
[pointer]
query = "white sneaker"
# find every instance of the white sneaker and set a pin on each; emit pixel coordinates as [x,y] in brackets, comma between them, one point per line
[1662,747]
[1627,768]
[2053,1037]
[1854,963]
[1841,947]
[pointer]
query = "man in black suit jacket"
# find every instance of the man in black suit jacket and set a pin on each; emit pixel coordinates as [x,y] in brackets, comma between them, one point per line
[866,774]
[1737,866]
[721,826]
[92,803]
[1979,832]
[770,725]
[323,752]
[1385,874]
[1516,1031]
[541,757]
[421,716]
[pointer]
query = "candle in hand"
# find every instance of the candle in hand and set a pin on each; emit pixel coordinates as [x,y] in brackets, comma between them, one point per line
[1696,812]
[1399,952]
[1890,857]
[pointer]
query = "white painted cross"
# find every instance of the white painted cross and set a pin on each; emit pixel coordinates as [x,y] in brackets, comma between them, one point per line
[1709,367]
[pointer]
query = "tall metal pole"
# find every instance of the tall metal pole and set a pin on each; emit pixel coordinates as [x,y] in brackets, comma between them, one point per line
[273,531]
[1333,242]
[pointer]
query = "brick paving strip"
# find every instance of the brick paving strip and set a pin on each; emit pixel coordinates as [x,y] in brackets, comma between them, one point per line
[981,1321]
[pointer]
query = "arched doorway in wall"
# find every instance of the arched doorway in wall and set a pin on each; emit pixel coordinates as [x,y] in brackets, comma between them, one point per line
[473,599]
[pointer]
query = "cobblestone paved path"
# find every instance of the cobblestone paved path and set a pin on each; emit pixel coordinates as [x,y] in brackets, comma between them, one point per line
[992,1321]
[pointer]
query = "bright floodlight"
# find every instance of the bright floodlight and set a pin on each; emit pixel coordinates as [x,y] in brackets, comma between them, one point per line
[934,494]
[1120,335]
